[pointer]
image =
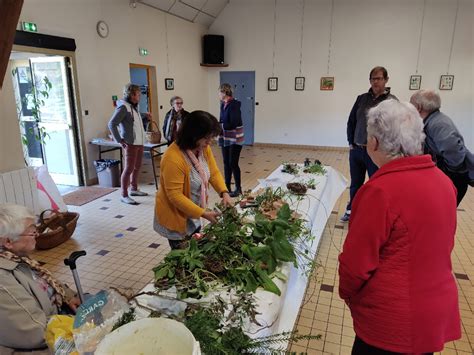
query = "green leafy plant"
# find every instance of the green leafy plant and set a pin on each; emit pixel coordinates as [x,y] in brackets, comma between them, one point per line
[317,169]
[290,168]
[34,100]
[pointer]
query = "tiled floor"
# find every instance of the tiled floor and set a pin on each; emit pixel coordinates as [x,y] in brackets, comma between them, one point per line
[122,248]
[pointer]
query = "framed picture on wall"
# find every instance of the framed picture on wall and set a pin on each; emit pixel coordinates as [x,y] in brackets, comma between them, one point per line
[272,83]
[299,83]
[446,82]
[169,84]
[327,83]
[415,82]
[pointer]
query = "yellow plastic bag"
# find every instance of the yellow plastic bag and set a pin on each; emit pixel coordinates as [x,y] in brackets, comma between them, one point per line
[59,335]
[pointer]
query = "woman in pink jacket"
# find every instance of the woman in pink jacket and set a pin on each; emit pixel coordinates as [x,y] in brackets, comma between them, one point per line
[395,270]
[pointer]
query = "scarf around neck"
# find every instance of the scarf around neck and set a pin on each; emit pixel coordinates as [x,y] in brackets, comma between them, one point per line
[202,174]
[44,273]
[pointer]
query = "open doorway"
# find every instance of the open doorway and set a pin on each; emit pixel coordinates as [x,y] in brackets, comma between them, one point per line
[145,77]
[47,115]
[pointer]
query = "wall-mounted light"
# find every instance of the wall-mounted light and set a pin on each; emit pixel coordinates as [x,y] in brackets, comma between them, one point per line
[143,51]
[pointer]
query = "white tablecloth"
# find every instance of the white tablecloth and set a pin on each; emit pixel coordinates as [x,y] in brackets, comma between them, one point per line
[278,313]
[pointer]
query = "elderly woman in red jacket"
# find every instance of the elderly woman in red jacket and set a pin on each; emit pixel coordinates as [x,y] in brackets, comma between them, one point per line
[395,270]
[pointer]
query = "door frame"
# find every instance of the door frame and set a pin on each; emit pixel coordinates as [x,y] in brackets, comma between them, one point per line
[152,87]
[77,120]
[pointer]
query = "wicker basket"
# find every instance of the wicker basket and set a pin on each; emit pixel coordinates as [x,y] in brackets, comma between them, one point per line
[153,134]
[61,227]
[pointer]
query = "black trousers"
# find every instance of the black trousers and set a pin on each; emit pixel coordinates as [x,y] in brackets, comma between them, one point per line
[359,163]
[461,182]
[362,348]
[231,155]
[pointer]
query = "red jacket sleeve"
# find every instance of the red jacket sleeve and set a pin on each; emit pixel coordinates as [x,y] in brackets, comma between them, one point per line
[369,229]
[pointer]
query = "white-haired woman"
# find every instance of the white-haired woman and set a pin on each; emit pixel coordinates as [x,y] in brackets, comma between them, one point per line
[29,294]
[395,269]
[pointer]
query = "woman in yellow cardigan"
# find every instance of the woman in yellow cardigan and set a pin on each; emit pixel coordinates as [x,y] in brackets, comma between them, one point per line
[187,169]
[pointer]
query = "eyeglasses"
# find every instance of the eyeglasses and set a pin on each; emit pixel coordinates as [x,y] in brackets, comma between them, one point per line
[30,231]
[178,102]
[379,78]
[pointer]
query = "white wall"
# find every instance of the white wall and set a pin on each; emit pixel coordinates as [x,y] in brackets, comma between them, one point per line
[103,64]
[366,33]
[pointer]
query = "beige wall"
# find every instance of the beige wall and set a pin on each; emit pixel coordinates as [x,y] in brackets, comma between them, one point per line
[102,64]
[366,33]
[11,152]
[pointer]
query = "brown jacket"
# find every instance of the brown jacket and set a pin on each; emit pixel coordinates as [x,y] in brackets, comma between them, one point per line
[24,308]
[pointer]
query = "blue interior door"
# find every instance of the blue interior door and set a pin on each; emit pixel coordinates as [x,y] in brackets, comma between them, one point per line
[243,83]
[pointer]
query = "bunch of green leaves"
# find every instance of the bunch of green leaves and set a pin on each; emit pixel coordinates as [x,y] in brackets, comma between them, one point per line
[317,169]
[127,317]
[214,338]
[290,168]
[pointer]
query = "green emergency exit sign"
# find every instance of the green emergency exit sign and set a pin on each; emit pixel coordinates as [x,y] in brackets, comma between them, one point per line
[29,27]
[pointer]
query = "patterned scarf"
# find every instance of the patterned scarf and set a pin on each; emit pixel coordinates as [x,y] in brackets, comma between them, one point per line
[202,174]
[59,295]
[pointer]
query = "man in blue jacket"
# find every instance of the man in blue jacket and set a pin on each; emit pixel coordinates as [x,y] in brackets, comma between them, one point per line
[444,142]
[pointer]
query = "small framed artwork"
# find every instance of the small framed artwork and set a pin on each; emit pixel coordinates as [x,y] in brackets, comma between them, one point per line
[327,83]
[415,82]
[446,82]
[299,83]
[169,84]
[272,83]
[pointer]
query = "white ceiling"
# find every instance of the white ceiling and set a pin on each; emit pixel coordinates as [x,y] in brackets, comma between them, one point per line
[203,12]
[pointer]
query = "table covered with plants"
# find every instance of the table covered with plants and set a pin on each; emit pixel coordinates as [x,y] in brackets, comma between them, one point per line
[238,285]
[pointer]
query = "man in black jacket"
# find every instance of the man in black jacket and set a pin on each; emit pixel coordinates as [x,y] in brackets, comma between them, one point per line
[359,160]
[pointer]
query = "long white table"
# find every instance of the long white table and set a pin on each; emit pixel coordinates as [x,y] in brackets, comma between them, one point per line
[279,313]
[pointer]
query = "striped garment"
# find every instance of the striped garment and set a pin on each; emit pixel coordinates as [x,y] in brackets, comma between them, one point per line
[234,136]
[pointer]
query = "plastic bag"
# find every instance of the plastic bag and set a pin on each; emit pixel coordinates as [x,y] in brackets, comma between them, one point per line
[59,336]
[96,317]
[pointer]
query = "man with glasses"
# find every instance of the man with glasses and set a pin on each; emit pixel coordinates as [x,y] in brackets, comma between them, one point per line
[359,160]
[173,119]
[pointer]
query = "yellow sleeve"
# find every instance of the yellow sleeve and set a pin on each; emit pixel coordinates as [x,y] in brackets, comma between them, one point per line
[174,175]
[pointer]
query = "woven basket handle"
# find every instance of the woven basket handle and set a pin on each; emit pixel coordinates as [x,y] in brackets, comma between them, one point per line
[55,215]
[152,126]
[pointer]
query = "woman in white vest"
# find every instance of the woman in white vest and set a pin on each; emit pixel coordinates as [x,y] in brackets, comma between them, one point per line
[132,138]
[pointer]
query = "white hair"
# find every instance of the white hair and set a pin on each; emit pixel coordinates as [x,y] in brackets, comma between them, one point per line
[12,220]
[397,127]
[426,100]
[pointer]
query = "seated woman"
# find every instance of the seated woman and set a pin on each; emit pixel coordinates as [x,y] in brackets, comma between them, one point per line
[187,169]
[29,294]
[395,271]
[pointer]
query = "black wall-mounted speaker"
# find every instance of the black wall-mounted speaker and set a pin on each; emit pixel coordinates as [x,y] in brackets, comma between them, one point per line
[213,49]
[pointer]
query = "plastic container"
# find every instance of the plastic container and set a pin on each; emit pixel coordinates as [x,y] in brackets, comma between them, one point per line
[108,172]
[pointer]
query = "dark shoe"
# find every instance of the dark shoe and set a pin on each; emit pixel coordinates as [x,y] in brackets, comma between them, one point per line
[346,217]
[235,193]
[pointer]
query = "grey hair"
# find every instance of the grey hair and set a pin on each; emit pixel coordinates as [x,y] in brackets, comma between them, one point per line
[426,100]
[398,128]
[129,90]
[174,98]
[12,221]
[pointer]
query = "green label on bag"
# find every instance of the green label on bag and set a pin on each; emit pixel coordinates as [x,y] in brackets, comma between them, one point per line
[91,310]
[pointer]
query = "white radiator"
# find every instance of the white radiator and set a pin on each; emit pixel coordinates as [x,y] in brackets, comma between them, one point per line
[19,187]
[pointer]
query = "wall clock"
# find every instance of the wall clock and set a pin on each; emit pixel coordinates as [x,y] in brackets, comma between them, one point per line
[102,29]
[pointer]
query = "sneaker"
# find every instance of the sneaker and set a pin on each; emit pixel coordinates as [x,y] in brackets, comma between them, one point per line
[128,200]
[345,217]
[138,193]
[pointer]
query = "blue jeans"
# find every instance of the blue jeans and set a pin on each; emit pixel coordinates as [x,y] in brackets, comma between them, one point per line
[231,155]
[359,163]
